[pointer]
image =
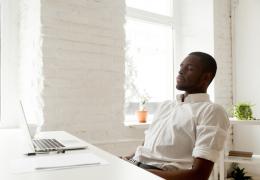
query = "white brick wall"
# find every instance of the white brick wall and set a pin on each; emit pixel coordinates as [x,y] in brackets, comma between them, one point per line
[83,69]
[222,53]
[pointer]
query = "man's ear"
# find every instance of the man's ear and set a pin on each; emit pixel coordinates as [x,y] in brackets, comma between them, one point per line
[206,78]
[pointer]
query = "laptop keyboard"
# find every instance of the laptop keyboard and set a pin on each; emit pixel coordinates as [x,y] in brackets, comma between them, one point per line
[47,145]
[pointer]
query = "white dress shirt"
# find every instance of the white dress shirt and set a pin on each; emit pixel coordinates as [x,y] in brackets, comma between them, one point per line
[183,130]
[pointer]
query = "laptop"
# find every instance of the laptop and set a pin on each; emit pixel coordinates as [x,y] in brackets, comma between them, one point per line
[50,144]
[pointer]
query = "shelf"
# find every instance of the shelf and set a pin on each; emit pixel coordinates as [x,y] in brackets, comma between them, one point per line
[254,160]
[244,122]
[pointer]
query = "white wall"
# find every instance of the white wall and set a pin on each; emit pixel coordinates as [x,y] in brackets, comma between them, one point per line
[246,61]
[246,51]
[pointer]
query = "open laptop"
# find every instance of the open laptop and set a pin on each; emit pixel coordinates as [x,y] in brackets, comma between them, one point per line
[50,144]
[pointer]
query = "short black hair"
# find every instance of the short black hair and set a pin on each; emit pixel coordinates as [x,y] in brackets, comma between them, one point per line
[208,62]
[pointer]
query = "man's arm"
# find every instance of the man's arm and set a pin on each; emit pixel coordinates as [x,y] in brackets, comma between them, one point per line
[201,170]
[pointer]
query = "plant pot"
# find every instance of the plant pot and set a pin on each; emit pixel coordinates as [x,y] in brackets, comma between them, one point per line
[142,116]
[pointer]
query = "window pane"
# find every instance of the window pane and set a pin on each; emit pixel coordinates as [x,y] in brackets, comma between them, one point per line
[163,7]
[150,50]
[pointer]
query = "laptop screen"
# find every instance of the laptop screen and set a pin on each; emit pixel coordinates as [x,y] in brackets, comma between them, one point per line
[25,127]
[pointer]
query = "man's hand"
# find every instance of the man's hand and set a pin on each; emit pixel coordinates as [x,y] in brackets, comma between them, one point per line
[126,158]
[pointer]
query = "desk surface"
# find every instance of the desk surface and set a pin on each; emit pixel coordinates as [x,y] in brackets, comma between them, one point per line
[117,169]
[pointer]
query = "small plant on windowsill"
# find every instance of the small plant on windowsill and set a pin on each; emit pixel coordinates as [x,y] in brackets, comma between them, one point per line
[142,113]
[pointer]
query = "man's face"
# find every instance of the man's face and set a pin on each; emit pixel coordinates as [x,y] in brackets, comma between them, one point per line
[190,73]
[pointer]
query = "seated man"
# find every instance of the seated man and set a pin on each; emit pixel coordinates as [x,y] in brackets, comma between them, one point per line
[186,137]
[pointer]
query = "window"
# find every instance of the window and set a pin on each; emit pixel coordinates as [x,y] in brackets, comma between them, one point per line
[149,52]
[10,108]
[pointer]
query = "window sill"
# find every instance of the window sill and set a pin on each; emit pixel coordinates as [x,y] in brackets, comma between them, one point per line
[132,122]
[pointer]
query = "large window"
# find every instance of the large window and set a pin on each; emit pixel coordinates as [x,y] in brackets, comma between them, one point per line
[149,53]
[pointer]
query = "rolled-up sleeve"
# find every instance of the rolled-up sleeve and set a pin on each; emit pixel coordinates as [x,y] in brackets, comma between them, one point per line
[211,133]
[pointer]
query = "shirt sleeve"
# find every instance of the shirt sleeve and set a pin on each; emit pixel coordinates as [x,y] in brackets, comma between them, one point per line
[211,133]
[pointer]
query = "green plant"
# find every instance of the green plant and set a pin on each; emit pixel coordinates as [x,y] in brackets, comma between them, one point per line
[243,111]
[238,173]
[144,98]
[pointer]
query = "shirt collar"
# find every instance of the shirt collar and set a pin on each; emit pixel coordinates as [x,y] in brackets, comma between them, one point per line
[191,98]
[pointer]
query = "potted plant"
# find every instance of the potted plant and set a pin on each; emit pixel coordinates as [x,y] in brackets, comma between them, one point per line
[142,113]
[238,173]
[243,111]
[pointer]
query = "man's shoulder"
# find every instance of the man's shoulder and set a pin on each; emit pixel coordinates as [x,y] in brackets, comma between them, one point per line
[211,109]
[211,106]
[216,107]
[214,112]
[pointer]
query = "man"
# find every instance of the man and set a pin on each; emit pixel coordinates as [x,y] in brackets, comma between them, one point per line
[186,136]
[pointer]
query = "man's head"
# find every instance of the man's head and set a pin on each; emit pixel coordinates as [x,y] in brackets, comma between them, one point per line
[197,71]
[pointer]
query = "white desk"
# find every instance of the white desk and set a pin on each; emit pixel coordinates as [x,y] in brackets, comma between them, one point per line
[117,169]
